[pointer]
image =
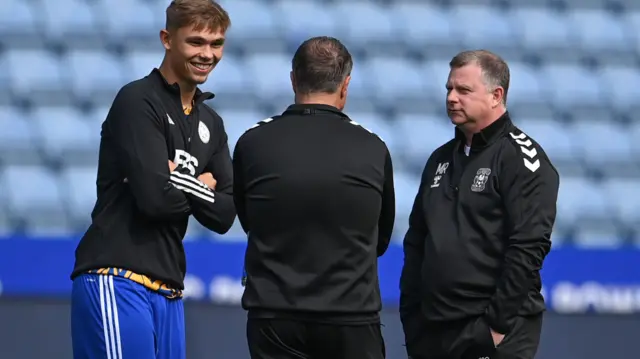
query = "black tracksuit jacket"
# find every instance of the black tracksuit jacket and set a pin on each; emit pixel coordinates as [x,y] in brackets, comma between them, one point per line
[479,230]
[141,214]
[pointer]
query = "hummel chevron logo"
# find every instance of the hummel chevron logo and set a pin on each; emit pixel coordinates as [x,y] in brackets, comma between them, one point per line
[526,146]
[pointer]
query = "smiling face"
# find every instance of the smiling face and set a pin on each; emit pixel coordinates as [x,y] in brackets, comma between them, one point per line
[193,52]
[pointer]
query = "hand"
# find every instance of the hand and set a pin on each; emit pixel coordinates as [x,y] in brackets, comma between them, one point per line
[207,178]
[497,338]
[172,166]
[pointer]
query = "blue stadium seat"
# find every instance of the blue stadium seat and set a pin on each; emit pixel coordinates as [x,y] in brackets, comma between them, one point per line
[18,17]
[540,28]
[69,18]
[94,72]
[418,24]
[62,131]
[406,188]
[36,199]
[597,30]
[631,20]
[620,84]
[555,138]
[227,77]
[363,22]
[34,70]
[525,85]
[138,64]
[293,17]
[581,200]
[359,86]
[79,189]
[238,122]
[420,135]
[624,193]
[601,236]
[130,20]
[17,143]
[634,132]
[571,85]
[6,224]
[377,124]
[482,26]
[436,74]
[603,143]
[250,19]
[270,74]
[407,78]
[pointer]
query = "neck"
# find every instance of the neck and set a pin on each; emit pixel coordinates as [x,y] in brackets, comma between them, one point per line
[480,125]
[187,90]
[318,99]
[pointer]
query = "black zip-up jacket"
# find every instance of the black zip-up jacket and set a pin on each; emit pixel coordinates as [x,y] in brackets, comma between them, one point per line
[314,191]
[141,214]
[479,231]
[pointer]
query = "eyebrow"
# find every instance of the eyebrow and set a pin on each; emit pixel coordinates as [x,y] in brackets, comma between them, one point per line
[218,41]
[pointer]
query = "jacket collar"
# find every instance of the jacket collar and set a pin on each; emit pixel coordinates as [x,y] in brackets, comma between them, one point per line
[174,88]
[489,134]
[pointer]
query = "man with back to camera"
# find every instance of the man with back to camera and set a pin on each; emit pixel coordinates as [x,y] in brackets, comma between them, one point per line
[314,192]
[480,228]
[163,156]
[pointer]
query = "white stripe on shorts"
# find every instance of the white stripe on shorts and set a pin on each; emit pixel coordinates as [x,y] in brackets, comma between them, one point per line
[110,321]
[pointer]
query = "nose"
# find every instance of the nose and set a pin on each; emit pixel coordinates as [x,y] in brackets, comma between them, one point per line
[207,53]
[452,97]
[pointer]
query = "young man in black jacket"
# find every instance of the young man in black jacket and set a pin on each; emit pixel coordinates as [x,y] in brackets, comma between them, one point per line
[314,192]
[163,157]
[480,228]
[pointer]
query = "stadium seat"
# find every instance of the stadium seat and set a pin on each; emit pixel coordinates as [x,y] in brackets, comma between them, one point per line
[437,74]
[227,77]
[540,28]
[619,82]
[62,131]
[363,23]
[35,71]
[590,236]
[270,74]
[421,135]
[570,85]
[582,200]
[130,20]
[79,189]
[238,122]
[482,26]
[597,30]
[379,126]
[554,137]
[6,224]
[94,72]
[17,142]
[67,19]
[624,193]
[420,23]
[406,185]
[407,82]
[139,63]
[296,28]
[525,85]
[602,143]
[18,18]
[631,21]
[252,19]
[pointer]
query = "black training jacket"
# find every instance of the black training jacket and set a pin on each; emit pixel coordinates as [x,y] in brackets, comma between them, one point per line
[141,213]
[314,191]
[479,231]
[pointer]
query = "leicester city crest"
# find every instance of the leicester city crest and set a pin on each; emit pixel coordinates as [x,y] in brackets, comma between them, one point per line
[203,131]
[480,180]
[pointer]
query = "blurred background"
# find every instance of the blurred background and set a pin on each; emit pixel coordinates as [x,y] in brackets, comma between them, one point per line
[575,88]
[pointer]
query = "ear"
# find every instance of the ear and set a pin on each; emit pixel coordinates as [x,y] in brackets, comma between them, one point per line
[497,96]
[345,86]
[293,81]
[165,38]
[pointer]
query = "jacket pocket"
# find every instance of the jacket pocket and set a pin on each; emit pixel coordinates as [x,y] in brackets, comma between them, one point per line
[474,341]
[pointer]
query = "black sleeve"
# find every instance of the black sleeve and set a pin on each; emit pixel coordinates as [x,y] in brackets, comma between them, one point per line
[530,191]
[213,209]
[137,133]
[239,187]
[388,212]
[411,276]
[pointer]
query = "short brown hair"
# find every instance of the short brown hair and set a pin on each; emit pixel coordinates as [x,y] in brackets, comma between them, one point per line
[320,65]
[202,14]
[494,68]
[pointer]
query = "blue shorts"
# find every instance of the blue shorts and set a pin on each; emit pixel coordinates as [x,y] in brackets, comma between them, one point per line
[116,318]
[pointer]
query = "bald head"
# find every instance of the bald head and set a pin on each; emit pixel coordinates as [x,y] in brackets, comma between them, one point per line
[321,65]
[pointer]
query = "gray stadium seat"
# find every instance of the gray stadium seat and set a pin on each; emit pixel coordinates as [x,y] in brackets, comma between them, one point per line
[482,26]
[94,72]
[540,28]
[597,30]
